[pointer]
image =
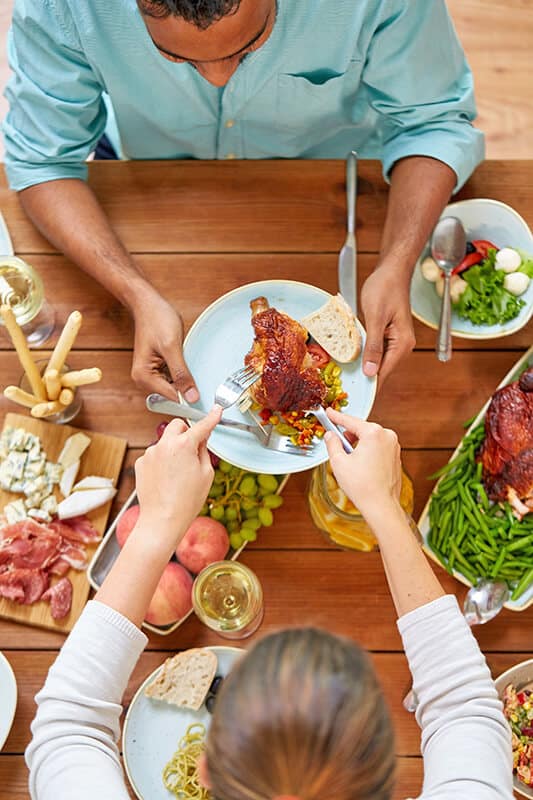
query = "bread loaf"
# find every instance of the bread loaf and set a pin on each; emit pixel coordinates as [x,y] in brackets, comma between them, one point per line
[333,327]
[185,678]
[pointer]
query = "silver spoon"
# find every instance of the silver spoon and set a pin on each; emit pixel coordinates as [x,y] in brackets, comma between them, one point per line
[482,603]
[448,248]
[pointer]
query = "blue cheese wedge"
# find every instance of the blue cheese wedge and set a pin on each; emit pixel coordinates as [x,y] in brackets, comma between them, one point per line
[15,511]
[17,461]
[49,504]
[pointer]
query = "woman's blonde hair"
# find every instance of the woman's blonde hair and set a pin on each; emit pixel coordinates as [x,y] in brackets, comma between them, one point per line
[301,714]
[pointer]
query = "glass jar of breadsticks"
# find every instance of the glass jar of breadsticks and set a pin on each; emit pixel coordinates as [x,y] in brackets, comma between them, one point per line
[336,516]
[48,388]
[21,288]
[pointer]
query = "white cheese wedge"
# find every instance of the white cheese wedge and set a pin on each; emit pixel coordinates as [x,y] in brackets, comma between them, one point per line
[73,449]
[82,502]
[93,482]
[68,477]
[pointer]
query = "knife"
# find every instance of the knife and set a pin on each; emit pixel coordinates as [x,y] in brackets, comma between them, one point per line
[160,405]
[348,254]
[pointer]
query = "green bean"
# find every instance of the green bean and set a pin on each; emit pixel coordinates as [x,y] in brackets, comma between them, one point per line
[523,542]
[524,584]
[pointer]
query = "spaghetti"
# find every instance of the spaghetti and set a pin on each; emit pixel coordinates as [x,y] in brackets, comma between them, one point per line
[180,775]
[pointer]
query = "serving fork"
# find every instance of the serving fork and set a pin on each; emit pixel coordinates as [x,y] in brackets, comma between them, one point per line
[266,435]
[232,389]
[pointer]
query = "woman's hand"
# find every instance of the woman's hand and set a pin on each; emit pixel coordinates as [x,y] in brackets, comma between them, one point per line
[371,476]
[173,476]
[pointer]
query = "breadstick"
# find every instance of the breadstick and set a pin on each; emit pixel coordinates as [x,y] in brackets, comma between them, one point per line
[81,377]
[46,409]
[66,397]
[23,351]
[65,342]
[52,383]
[20,396]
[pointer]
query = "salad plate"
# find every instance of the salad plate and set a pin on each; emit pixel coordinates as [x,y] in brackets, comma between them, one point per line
[486,220]
[153,729]
[526,599]
[216,346]
[521,677]
[8,698]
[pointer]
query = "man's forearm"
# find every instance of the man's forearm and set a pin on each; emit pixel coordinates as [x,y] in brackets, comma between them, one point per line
[420,189]
[69,215]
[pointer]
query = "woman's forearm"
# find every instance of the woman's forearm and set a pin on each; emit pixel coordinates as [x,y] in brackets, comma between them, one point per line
[70,216]
[411,580]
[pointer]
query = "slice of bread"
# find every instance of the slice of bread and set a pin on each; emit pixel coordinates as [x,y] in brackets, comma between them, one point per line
[334,328]
[185,678]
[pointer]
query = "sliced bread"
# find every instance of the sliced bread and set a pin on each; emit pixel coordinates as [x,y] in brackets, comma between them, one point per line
[334,328]
[184,679]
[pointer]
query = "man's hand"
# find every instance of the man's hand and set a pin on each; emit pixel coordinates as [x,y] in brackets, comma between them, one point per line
[389,327]
[158,349]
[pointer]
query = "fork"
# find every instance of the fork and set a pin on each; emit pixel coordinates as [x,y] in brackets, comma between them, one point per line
[231,390]
[322,417]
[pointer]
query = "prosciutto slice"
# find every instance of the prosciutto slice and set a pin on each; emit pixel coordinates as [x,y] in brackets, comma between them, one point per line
[60,597]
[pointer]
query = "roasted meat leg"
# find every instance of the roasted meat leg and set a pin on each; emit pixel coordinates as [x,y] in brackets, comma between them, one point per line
[289,380]
[507,453]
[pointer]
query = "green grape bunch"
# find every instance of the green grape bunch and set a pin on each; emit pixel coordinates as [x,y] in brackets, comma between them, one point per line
[242,501]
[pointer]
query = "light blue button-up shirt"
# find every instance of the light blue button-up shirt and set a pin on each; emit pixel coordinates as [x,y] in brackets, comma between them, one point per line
[387,78]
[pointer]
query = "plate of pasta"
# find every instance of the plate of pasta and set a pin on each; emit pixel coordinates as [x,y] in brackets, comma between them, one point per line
[161,742]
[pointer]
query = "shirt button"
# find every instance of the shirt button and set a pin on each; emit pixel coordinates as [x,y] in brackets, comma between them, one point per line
[230,155]
[230,123]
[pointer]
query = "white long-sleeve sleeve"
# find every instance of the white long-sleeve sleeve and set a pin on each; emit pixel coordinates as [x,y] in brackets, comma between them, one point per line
[74,751]
[466,742]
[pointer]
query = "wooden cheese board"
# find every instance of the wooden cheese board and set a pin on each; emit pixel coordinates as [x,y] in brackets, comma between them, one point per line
[103,457]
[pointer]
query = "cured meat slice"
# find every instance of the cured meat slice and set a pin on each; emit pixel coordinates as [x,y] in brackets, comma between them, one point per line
[77,529]
[60,597]
[23,585]
[59,567]
[73,555]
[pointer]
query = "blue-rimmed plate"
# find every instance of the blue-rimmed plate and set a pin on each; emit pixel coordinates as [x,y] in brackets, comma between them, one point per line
[8,698]
[215,347]
[482,219]
[153,729]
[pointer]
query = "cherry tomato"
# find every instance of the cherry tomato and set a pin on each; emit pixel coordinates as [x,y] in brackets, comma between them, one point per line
[483,246]
[468,261]
[319,355]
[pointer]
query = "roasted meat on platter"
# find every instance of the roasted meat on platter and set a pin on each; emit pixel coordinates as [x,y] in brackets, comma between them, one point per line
[289,380]
[507,452]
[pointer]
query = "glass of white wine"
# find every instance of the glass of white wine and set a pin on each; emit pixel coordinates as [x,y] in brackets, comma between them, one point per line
[22,288]
[228,598]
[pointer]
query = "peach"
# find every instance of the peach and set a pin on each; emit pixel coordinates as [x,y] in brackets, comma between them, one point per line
[172,597]
[126,524]
[205,541]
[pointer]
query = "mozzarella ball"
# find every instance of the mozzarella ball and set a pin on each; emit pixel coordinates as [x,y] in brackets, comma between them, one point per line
[516,283]
[508,259]
[457,287]
[430,269]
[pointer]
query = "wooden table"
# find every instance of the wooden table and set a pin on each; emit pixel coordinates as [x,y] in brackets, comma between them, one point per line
[199,230]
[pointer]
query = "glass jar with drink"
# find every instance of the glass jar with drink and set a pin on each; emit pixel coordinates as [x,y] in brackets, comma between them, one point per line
[337,517]
[228,598]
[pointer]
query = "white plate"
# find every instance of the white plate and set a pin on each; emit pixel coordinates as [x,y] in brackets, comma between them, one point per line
[482,219]
[8,698]
[216,345]
[152,730]
[423,523]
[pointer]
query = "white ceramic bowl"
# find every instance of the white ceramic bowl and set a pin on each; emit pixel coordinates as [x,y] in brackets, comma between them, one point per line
[8,698]
[521,676]
[482,219]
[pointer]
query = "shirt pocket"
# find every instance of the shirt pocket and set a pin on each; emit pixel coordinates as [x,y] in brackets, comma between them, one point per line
[306,101]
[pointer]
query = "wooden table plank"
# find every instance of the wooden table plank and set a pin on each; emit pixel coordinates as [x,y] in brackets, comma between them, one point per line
[31,668]
[345,592]
[198,280]
[249,206]
[424,401]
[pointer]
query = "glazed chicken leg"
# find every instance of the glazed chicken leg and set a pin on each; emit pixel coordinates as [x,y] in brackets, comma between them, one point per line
[507,454]
[289,380]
